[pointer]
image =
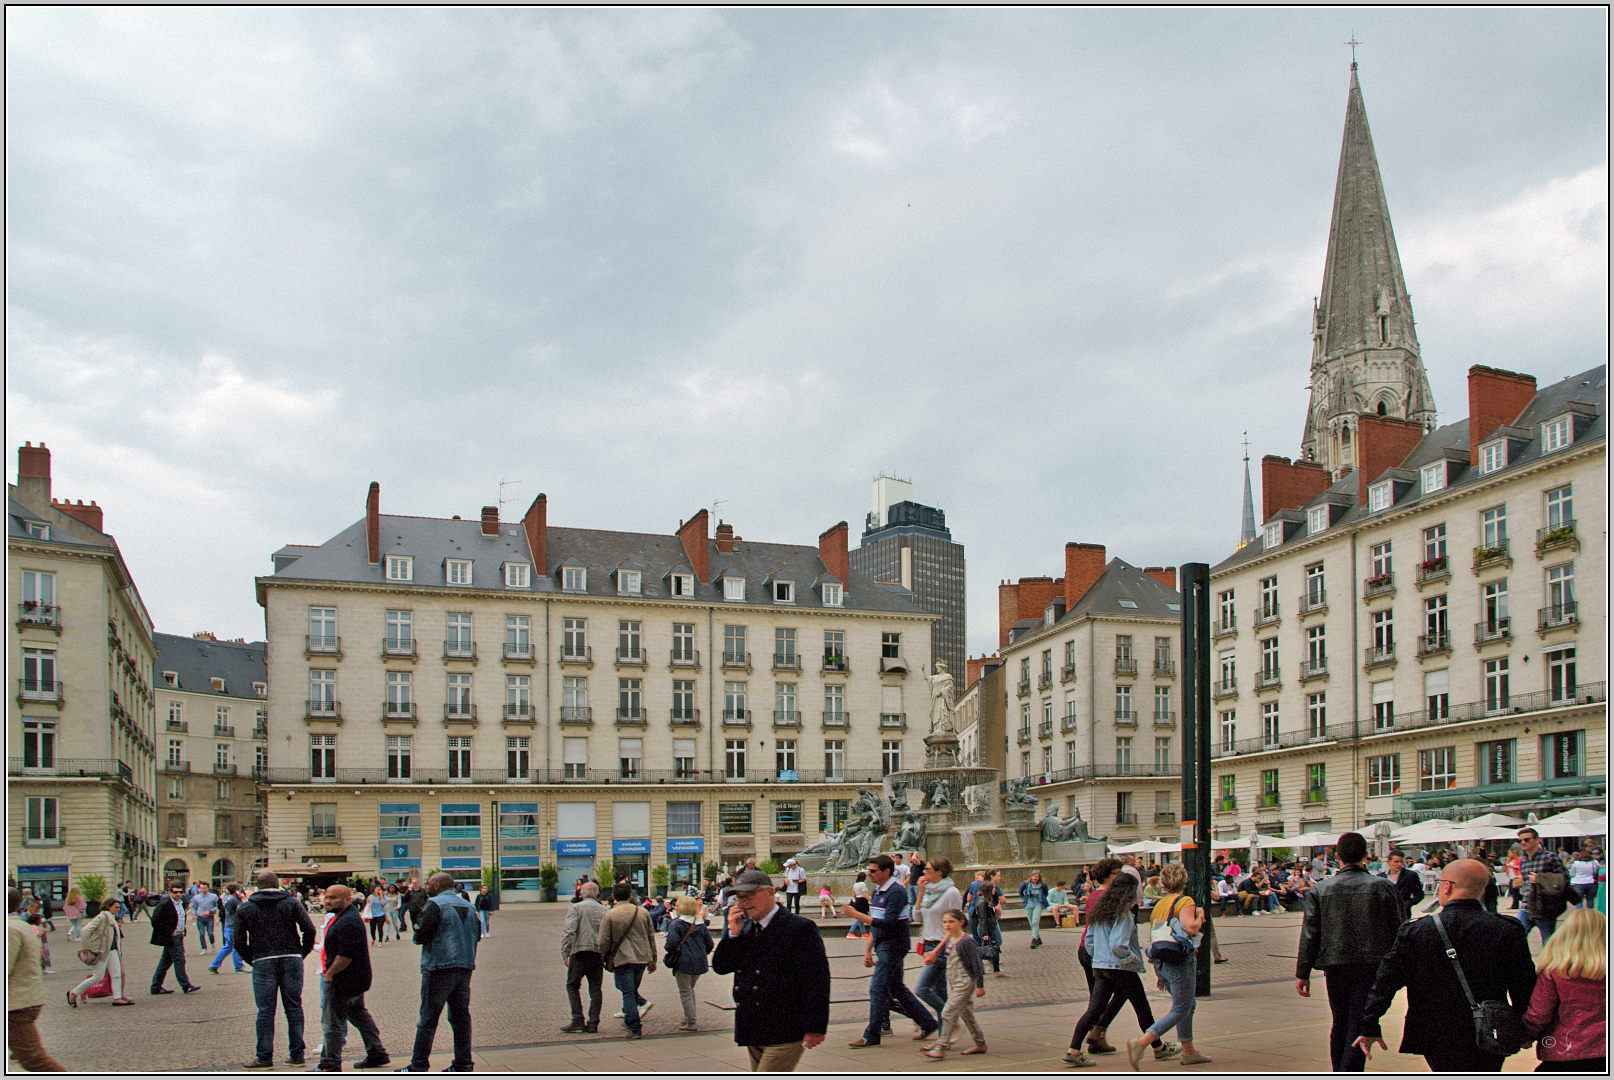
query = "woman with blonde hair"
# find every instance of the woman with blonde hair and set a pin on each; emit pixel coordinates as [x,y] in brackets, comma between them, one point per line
[687,944]
[73,912]
[1567,1013]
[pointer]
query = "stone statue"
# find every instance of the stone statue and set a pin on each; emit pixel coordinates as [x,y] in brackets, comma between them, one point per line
[1018,795]
[941,699]
[912,836]
[938,797]
[1056,830]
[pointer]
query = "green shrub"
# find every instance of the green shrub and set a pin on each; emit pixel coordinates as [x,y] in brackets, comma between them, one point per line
[606,872]
[549,876]
[93,886]
[660,875]
[487,876]
[710,871]
[770,866]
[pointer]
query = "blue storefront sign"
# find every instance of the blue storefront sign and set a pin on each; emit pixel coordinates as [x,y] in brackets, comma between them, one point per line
[685,844]
[573,847]
[518,836]
[630,847]
[42,871]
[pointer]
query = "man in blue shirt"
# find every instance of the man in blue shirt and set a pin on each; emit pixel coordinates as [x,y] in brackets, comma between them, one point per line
[887,918]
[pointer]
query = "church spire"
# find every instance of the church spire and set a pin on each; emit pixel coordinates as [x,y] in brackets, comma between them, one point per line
[1365,355]
[1247,533]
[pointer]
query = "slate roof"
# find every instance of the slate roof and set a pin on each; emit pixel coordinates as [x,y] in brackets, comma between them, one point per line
[432,541]
[1589,388]
[1120,581]
[196,661]
[18,516]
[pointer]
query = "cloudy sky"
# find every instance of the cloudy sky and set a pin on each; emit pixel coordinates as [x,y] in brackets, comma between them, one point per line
[1049,264]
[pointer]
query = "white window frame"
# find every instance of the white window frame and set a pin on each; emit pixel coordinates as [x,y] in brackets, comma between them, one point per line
[832,594]
[734,589]
[574,579]
[1432,478]
[1316,520]
[1378,498]
[1557,433]
[1493,456]
[1273,536]
[683,584]
[629,583]
[784,592]
[400,568]
[517,575]
[457,571]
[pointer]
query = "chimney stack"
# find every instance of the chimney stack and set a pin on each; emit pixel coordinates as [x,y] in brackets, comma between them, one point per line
[725,538]
[832,549]
[1287,485]
[536,523]
[1008,610]
[1166,575]
[1382,442]
[1084,565]
[1495,398]
[372,523]
[90,515]
[490,521]
[697,546]
[33,475]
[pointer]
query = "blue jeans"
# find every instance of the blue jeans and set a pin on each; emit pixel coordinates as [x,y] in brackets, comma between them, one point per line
[931,986]
[628,977]
[887,991]
[451,987]
[1179,979]
[204,932]
[1034,917]
[1547,925]
[227,949]
[487,922]
[1588,894]
[173,956]
[282,975]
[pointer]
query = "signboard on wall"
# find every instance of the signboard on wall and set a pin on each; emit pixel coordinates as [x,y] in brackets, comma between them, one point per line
[736,845]
[573,847]
[630,847]
[685,844]
[788,842]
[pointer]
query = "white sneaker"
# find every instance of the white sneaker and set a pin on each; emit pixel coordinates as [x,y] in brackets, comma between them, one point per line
[617,1015]
[644,1010]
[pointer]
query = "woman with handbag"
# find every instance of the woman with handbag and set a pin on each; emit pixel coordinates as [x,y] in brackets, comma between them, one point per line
[688,943]
[1173,947]
[1567,1015]
[99,948]
[1112,939]
[988,921]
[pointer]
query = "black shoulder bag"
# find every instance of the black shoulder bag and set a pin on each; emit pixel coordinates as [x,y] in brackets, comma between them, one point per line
[1497,1028]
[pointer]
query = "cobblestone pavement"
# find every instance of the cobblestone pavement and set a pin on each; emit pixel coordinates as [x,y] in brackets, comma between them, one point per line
[519,1003]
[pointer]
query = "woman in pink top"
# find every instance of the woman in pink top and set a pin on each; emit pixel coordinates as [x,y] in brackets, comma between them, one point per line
[1567,1013]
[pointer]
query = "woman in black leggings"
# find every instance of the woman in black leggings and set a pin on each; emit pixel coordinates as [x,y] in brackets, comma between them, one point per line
[1121,986]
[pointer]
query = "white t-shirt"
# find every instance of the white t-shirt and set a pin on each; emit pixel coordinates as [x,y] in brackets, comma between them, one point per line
[860,889]
[794,876]
[900,872]
[931,916]
[1583,872]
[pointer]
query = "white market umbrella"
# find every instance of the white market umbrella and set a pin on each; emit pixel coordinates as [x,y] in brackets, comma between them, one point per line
[1579,813]
[1315,839]
[1424,832]
[1594,827]
[1157,847]
[1495,820]
[1265,841]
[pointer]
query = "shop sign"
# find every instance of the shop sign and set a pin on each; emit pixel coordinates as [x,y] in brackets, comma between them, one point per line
[685,844]
[735,845]
[573,847]
[630,847]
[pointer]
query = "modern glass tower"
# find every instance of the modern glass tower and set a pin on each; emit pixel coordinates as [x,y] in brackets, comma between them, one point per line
[908,544]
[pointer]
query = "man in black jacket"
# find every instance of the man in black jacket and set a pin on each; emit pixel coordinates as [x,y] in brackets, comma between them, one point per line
[273,933]
[347,975]
[1406,882]
[1350,924]
[168,934]
[781,976]
[1495,955]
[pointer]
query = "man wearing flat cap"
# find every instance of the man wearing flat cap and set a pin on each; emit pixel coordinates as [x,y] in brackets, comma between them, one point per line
[781,976]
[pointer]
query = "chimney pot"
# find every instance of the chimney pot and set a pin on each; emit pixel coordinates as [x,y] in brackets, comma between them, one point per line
[1287,485]
[1166,575]
[725,537]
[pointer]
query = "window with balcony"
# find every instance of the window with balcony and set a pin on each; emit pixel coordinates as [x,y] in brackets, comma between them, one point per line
[1123,647]
[1025,763]
[1493,456]
[574,759]
[321,691]
[734,645]
[1497,761]
[459,757]
[1162,705]
[457,641]
[835,703]
[1496,685]
[1162,754]
[683,643]
[176,752]
[1437,769]
[1316,649]
[1561,507]
[628,703]
[1380,562]
[1269,598]
[400,687]
[38,743]
[1269,787]
[1382,698]
[400,757]
[630,758]
[1225,610]
[1383,775]
[1560,609]
[1436,627]
[400,632]
[400,568]
[517,636]
[1316,716]
[683,769]
[1316,594]
[683,700]
[322,757]
[1229,730]
[1494,609]
[1560,675]
[629,637]
[1269,660]
[1494,529]
[176,788]
[574,579]
[1123,704]
[518,696]
[835,650]
[1123,754]
[260,758]
[221,754]
[39,674]
[1269,723]
[39,596]
[574,639]
[1383,635]
[734,701]
[1226,672]
[1436,692]
[784,647]
[734,764]
[784,760]
[517,757]
[457,571]
[574,698]
[834,759]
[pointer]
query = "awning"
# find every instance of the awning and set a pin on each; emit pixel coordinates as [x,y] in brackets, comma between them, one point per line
[302,870]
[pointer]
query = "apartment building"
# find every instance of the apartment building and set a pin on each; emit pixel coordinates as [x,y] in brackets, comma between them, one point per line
[80,771]
[465,694]
[212,699]
[1091,694]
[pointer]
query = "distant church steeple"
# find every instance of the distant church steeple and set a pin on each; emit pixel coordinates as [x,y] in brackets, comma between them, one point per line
[1247,533]
[1365,356]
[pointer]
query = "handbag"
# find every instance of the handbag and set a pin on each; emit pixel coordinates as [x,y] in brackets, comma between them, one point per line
[670,958]
[1497,1028]
[101,989]
[88,957]
[1164,948]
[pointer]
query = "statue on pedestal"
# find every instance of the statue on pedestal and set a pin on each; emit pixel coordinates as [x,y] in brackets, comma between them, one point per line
[1057,830]
[912,836]
[941,699]
[1018,797]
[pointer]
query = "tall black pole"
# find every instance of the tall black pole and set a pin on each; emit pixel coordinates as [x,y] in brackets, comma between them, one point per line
[1194,583]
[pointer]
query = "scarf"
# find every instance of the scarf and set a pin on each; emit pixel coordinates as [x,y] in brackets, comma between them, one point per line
[933,893]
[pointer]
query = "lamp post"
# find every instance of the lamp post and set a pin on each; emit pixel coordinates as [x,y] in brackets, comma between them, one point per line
[1193,580]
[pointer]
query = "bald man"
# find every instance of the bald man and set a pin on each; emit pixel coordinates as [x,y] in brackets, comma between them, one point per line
[1495,956]
[347,979]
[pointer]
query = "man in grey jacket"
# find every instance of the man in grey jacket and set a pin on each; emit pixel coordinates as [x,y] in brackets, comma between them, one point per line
[1350,924]
[579,951]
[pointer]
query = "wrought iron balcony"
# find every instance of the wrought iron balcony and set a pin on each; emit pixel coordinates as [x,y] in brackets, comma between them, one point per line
[789,718]
[178,725]
[576,714]
[459,712]
[1165,668]
[1557,616]
[176,766]
[518,650]
[1126,665]
[1126,718]
[397,647]
[1492,555]
[837,719]
[1045,728]
[1493,630]
[1226,627]
[1023,735]
[1377,655]
[1024,688]
[1126,819]
[1313,669]
[324,834]
[224,731]
[1224,688]
[34,613]
[1431,644]
[1267,616]
[689,658]
[686,718]
[398,710]
[1045,679]
[1268,680]
[577,654]
[1165,817]
[459,650]
[221,769]
[1313,601]
[736,718]
[517,711]
[894,721]
[631,718]
[322,645]
[1067,673]
[781,662]
[1165,719]
[40,689]
[737,661]
[1557,536]
[1379,585]
[630,657]
[322,710]
[836,662]
[1436,569]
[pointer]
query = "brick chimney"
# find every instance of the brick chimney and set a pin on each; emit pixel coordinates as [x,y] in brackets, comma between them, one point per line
[536,522]
[973,666]
[90,515]
[1382,442]
[1495,397]
[205,635]
[372,523]
[33,475]
[490,521]
[832,549]
[1166,575]
[1287,485]
[1008,610]
[697,547]
[725,538]
[1084,565]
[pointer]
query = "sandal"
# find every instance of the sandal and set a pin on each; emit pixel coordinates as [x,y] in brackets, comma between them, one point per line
[935,1054]
[972,1050]
[122,1001]
[71,1000]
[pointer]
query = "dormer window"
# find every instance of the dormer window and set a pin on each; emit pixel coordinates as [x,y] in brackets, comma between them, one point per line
[1493,456]
[1378,498]
[39,530]
[517,575]
[218,684]
[682,584]
[171,678]
[1316,519]
[832,595]
[1433,477]
[784,592]
[458,571]
[734,588]
[1557,434]
[629,582]
[400,568]
[260,689]
[574,578]
[1273,537]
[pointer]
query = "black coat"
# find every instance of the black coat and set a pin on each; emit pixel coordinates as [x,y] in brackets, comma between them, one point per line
[1407,886]
[781,981]
[1495,954]
[164,921]
[1351,918]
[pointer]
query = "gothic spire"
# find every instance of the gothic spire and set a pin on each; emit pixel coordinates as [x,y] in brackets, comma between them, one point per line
[1247,532]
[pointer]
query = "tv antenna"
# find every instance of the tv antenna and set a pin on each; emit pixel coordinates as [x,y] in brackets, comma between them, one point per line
[502,485]
[715,504]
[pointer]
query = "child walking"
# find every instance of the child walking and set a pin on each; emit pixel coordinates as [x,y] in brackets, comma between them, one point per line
[966,981]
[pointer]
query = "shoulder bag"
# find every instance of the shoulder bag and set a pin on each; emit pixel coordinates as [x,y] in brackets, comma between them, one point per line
[1497,1028]
[1164,948]
[669,959]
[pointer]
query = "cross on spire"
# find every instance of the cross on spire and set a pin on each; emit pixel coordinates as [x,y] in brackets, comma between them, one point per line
[1246,448]
[1353,43]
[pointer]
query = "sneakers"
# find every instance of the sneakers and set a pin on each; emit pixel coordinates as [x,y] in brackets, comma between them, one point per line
[1196,1058]
[1036,944]
[374,1063]
[322,1067]
[259,1065]
[1134,1053]
[1079,1060]
[687,1026]
[192,989]
[591,1029]
[644,1010]
[1164,1050]
[617,1015]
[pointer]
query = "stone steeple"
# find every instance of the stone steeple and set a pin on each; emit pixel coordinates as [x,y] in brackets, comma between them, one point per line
[1247,533]
[1365,356]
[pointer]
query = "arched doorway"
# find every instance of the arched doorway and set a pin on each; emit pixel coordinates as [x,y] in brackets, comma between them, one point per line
[223,870]
[176,870]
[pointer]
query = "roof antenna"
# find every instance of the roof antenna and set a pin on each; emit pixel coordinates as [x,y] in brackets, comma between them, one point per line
[502,485]
[1353,43]
[715,504]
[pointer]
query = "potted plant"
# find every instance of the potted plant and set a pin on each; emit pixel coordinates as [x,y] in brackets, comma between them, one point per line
[1229,803]
[1269,799]
[660,877]
[710,871]
[93,888]
[770,866]
[549,881]
[606,873]
[1433,566]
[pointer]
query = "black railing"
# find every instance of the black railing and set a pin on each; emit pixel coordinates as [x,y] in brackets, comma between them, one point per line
[631,716]
[835,662]
[1378,585]
[1165,719]
[459,650]
[70,767]
[1486,554]
[515,711]
[1126,819]
[224,731]
[634,657]
[577,654]
[1434,569]
[576,714]
[685,658]
[786,663]
[1493,630]
[1023,689]
[740,661]
[1224,688]
[1313,669]
[837,719]
[324,834]
[1556,615]
[462,711]
[176,766]
[1374,655]
[1313,601]
[322,643]
[1556,535]
[37,614]
[1045,679]
[685,717]
[177,726]
[1126,717]
[1429,644]
[786,718]
[518,650]
[398,710]
[575,775]
[40,689]
[399,646]
[1126,665]
[322,710]
[736,716]
[221,769]
[1067,673]
[1165,667]
[1266,616]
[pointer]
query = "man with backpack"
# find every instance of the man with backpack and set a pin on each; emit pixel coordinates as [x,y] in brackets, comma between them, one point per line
[447,929]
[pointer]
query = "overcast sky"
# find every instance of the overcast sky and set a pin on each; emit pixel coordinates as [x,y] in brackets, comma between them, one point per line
[1048,264]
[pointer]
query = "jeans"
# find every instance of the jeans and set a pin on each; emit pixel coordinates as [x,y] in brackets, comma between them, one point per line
[991,930]
[1124,986]
[1348,985]
[628,977]
[584,965]
[1547,925]
[887,992]
[931,986]
[1180,980]
[227,949]
[204,932]
[451,987]
[282,975]
[1034,918]
[487,922]
[173,956]
[339,1010]
[793,902]
[1588,894]
[76,926]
